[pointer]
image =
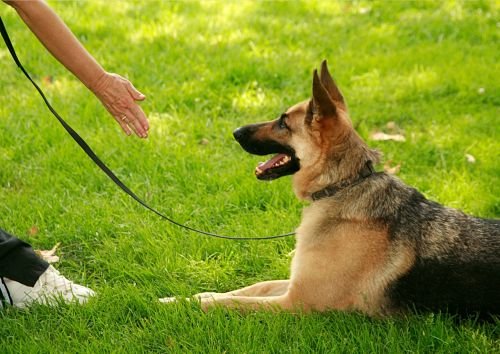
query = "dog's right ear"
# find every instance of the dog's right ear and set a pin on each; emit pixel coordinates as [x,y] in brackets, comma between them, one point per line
[323,106]
[331,87]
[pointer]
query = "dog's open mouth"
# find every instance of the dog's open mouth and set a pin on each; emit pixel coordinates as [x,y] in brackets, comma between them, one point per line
[278,166]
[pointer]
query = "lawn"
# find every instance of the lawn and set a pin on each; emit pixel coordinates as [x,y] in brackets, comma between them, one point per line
[428,68]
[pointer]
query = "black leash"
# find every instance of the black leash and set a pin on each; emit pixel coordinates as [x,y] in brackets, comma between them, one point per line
[103,166]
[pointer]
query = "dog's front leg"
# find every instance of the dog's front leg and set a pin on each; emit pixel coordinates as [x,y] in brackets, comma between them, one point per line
[264,288]
[264,295]
[262,292]
[246,303]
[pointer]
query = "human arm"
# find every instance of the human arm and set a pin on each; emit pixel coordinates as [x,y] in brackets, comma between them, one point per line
[116,93]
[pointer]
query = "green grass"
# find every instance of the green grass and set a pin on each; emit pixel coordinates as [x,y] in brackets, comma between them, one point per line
[208,68]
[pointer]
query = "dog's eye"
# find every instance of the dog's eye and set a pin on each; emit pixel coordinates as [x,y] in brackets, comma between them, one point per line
[281,122]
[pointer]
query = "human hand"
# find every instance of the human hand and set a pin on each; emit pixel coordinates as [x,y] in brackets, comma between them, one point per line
[119,97]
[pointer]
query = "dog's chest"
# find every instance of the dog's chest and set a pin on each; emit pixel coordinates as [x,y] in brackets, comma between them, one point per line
[350,262]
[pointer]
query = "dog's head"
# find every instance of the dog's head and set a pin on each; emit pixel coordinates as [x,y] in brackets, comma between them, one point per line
[307,139]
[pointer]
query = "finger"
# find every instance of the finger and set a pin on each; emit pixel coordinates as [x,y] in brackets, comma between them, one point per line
[134,123]
[117,116]
[122,122]
[134,92]
[140,116]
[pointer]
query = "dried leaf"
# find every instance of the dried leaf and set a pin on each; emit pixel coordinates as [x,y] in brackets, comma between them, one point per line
[48,80]
[49,255]
[470,158]
[380,136]
[33,231]
[392,170]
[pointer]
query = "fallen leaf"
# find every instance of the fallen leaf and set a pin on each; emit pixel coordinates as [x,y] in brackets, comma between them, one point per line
[33,230]
[48,80]
[204,141]
[49,255]
[392,170]
[470,158]
[381,136]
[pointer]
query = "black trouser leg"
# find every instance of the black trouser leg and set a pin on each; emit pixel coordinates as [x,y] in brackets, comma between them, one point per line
[18,261]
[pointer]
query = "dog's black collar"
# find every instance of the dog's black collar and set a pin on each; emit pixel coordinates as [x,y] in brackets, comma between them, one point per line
[329,191]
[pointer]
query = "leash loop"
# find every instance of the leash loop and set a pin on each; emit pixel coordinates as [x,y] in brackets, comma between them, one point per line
[86,148]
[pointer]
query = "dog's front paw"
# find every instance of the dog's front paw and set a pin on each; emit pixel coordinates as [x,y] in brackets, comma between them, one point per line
[206,295]
[198,297]
[168,300]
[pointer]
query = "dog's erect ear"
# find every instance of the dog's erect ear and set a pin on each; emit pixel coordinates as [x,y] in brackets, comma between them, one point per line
[323,103]
[331,87]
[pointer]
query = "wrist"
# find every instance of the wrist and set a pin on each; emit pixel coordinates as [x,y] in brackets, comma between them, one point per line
[98,82]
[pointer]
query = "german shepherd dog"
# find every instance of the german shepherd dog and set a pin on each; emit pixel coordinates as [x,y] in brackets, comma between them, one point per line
[367,242]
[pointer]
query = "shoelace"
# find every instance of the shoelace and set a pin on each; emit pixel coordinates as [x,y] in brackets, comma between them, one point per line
[53,280]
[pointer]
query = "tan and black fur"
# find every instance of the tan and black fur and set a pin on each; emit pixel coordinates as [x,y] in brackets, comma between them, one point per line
[373,244]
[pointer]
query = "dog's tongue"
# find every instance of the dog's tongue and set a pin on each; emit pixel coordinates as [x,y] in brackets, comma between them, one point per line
[263,166]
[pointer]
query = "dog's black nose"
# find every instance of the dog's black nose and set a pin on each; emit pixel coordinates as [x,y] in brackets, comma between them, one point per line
[239,133]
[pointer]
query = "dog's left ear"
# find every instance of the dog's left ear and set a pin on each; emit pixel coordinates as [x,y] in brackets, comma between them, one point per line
[323,103]
[331,87]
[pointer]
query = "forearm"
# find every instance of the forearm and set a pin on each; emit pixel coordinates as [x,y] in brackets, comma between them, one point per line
[59,40]
[116,93]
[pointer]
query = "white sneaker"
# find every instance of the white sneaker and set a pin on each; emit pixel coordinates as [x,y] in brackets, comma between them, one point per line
[50,287]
